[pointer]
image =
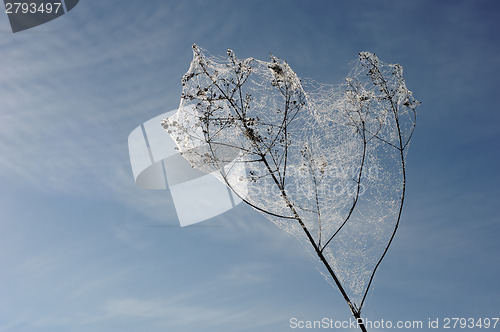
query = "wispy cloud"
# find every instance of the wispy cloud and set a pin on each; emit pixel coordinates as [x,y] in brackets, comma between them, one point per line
[129,233]
[69,101]
[189,309]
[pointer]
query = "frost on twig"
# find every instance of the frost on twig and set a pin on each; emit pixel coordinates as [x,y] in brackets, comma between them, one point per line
[325,163]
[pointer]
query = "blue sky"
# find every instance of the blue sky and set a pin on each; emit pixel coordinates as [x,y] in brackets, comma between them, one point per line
[83,249]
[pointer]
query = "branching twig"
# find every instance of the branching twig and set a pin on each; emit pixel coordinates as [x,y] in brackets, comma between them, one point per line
[261,134]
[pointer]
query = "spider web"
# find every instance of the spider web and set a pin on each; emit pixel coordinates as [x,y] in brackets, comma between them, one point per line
[323,162]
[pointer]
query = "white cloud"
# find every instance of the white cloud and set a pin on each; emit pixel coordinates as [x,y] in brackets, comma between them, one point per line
[69,101]
[128,233]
